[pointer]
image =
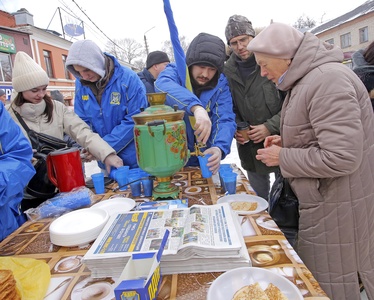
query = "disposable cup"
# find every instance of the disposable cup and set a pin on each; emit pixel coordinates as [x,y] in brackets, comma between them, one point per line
[203,160]
[225,169]
[147,184]
[242,128]
[229,182]
[136,189]
[121,177]
[98,181]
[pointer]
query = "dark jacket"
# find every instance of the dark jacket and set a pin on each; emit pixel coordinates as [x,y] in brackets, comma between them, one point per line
[365,72]
[256,101]
[148,80]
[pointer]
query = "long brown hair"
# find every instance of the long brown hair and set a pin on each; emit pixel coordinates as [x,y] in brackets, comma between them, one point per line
[19,100]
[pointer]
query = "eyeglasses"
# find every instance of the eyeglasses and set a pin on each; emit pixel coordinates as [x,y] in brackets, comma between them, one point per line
[243,41]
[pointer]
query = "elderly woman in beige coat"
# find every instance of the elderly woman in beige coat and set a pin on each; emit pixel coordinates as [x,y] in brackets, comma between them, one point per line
[51,117]
[326,150]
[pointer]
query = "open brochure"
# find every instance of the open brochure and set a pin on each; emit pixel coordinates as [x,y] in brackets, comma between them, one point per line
[202,238]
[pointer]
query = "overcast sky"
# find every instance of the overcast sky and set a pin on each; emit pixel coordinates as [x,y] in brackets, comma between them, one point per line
[118,19]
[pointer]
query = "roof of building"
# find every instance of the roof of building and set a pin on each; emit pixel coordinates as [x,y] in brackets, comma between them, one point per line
[361,10]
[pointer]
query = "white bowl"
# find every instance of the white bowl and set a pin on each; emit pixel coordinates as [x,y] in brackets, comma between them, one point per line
[228,283]
[78,227]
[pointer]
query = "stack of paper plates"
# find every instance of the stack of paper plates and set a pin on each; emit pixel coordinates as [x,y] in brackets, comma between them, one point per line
[78,227]
[115,205]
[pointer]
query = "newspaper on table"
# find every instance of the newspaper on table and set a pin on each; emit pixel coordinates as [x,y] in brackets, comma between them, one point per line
[203,239]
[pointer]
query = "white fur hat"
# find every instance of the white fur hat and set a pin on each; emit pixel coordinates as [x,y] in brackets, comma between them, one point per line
[27,74]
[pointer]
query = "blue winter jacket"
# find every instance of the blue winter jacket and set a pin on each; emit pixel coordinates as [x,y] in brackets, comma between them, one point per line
[216,101]
[15,173]
[122,98]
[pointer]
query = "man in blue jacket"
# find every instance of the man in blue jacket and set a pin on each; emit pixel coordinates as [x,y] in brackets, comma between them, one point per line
[107,95]
[210,102]
[15,173]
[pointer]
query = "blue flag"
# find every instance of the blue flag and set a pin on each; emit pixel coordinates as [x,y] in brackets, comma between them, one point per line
[180,58]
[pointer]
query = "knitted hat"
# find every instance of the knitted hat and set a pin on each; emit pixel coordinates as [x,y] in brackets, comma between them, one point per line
[238,25]
[87,54]
[206,50]
[277,40]
[156,57]
[2,92]
[27,74]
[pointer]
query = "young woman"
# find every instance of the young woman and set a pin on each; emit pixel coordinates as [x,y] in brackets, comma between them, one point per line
[42,114]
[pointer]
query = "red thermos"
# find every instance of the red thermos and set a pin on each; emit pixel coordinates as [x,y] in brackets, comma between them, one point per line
[64,169]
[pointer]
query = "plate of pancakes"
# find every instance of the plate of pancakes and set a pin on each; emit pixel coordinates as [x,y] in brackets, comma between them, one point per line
[245,204]
[252,283]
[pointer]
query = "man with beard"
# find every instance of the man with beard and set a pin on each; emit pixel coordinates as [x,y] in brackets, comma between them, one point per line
[208,109]
[255,99]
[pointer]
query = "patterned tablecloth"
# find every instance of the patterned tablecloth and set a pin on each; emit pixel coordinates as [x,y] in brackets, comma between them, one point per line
[69,276]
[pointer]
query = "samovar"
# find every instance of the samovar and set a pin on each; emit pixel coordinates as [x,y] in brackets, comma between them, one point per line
[161,144]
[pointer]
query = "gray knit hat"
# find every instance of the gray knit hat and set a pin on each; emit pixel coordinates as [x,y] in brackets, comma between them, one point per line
[87,54]
[238,25]
[27,74]
[156,57]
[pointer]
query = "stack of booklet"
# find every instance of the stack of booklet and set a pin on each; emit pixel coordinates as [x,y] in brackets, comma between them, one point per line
[202,239]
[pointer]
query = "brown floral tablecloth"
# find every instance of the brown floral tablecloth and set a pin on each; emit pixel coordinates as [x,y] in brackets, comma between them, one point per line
[70,277]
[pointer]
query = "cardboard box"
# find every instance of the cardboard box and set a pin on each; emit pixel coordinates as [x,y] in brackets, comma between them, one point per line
[141,277]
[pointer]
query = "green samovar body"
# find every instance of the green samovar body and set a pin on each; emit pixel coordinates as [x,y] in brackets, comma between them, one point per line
[161,144]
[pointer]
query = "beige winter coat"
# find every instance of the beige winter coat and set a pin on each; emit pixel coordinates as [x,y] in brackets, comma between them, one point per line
[64,120]
[327,128]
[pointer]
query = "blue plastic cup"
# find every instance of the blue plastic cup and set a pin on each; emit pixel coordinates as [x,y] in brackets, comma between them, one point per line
[147,184]
[229,182]
[98,181]
[121,176]
[136,188]
[203,160]
[222,171]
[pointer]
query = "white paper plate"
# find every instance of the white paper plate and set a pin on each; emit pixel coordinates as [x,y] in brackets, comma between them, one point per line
[78,227]
[228,283]
[262,204]
[115,205]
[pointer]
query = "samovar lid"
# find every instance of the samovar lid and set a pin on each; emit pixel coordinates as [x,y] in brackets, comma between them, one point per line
[158,110]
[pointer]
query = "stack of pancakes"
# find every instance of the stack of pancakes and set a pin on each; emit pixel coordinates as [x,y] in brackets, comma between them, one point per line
[254,291]
[8,288]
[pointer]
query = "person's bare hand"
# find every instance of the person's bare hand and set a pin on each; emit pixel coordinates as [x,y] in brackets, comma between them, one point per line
[273,140]
[112,160]
[269,156]
[239,137]
[257,133]
[215,160]
[203,125]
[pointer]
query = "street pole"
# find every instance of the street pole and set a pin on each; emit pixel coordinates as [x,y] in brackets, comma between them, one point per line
[145,40]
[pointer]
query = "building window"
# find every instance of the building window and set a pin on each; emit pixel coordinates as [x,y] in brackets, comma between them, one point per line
[48,63]
[330,41]
[363,33]
[5,67]
[345,40]
[67,74]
